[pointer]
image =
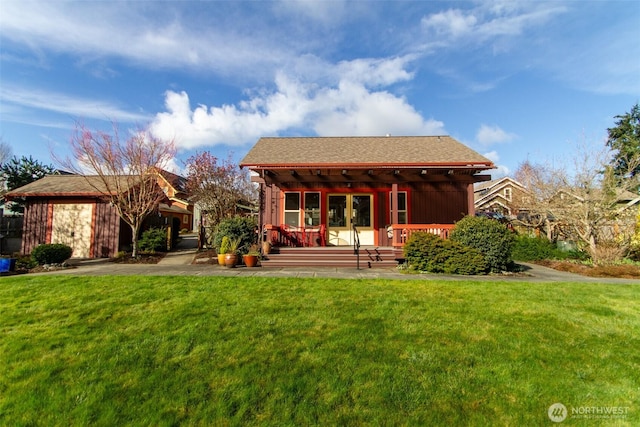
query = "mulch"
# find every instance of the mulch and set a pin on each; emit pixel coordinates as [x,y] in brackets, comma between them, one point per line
[616,271]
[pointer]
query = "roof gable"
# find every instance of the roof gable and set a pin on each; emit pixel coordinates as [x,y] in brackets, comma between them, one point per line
[391,151]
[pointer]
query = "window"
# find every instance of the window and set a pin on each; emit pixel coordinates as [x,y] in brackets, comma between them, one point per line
[507,193]
[402,207]
[292,209]
[185,219]
[312,209]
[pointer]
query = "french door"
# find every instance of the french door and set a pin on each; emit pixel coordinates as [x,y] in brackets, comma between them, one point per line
[345,210]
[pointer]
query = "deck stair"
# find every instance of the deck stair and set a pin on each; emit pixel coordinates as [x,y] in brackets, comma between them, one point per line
[332,256]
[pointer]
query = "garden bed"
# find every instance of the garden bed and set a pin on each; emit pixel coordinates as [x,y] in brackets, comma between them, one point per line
[627,271]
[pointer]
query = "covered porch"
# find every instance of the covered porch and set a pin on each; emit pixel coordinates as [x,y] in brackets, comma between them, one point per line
[371,191]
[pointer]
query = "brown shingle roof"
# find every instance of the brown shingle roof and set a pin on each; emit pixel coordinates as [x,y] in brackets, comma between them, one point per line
[420,151]
[61,185]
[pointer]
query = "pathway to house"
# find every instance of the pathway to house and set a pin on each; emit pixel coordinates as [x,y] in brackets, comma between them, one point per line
[183,253]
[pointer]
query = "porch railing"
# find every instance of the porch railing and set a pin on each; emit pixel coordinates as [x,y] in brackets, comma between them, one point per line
[398,233]
[402,232]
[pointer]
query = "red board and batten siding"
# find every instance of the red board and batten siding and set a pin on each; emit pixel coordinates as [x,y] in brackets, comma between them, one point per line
[106,231]
[427,203]
[34,229]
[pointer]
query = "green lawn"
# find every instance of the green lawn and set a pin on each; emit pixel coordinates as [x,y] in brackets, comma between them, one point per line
[228,351]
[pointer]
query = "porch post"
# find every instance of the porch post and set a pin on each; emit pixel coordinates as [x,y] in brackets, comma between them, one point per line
[394,203]
[470,200]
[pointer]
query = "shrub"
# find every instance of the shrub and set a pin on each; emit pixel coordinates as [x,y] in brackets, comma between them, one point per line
[428,252]
[153,240]
[225,245]
[25,262]
[491,238]
[460,259]
[533,248]
[421,251]
[528,248]
[238,227]
[51,253]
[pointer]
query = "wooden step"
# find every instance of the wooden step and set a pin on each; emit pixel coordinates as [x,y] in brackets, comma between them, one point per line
[370,257]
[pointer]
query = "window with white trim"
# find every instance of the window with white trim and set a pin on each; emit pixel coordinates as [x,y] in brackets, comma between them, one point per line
[292,209]
[402,206]
[507,193]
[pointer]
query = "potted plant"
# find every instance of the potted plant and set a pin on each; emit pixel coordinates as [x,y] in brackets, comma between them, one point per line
[224,248]
[231,256]
[266,247]
[251,258]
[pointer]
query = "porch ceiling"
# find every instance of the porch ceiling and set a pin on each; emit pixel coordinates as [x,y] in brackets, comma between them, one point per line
[388,175]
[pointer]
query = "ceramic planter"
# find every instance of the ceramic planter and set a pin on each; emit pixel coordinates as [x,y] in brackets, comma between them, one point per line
[230,260]
[250,260]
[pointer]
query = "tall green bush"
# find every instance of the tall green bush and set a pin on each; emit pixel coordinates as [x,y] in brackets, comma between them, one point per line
[421,251]
[238,227]
[490,237]
[428,252]
[51,253]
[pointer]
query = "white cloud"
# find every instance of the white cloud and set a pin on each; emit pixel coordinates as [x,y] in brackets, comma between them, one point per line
[452,22]
[487,21]
[347,107]
[488,135]
[375,71]
[161,39]
[324,12]
[501,170]
[76,107]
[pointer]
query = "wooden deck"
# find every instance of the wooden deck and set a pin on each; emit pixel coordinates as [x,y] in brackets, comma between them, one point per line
[333,256]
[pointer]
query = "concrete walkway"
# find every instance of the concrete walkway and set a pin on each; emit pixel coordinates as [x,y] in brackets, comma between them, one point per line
[179,263]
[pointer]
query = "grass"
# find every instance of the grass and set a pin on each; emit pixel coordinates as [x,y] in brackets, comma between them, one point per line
[230,351]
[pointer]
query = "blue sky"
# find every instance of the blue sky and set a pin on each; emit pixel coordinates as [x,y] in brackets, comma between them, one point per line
[514,80]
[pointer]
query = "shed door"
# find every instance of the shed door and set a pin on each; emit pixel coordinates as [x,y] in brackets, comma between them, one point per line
[72,226]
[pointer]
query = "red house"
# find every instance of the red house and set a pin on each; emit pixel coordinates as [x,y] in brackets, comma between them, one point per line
[330,191]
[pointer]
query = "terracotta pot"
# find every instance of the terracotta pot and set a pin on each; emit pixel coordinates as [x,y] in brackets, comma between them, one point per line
[221,259]
[250,260]
[230,260]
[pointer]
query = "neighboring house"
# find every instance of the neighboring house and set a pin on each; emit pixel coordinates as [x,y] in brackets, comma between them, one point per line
[179,206]
[314,189]
[499,195]
[72,209]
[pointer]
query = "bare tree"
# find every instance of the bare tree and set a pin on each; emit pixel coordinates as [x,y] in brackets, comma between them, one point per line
[583,201]
[217,186]
[5,151]
[125,172]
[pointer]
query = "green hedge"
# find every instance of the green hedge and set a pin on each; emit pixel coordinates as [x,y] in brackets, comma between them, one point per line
[51,253]
[493,239]
[428,252]
[528,248]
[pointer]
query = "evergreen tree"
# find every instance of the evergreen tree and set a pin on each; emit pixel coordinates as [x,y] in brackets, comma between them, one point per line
[624,138]
[18,172]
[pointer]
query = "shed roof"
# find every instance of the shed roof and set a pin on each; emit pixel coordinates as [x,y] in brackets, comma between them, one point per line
[61,185]
[371,151]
